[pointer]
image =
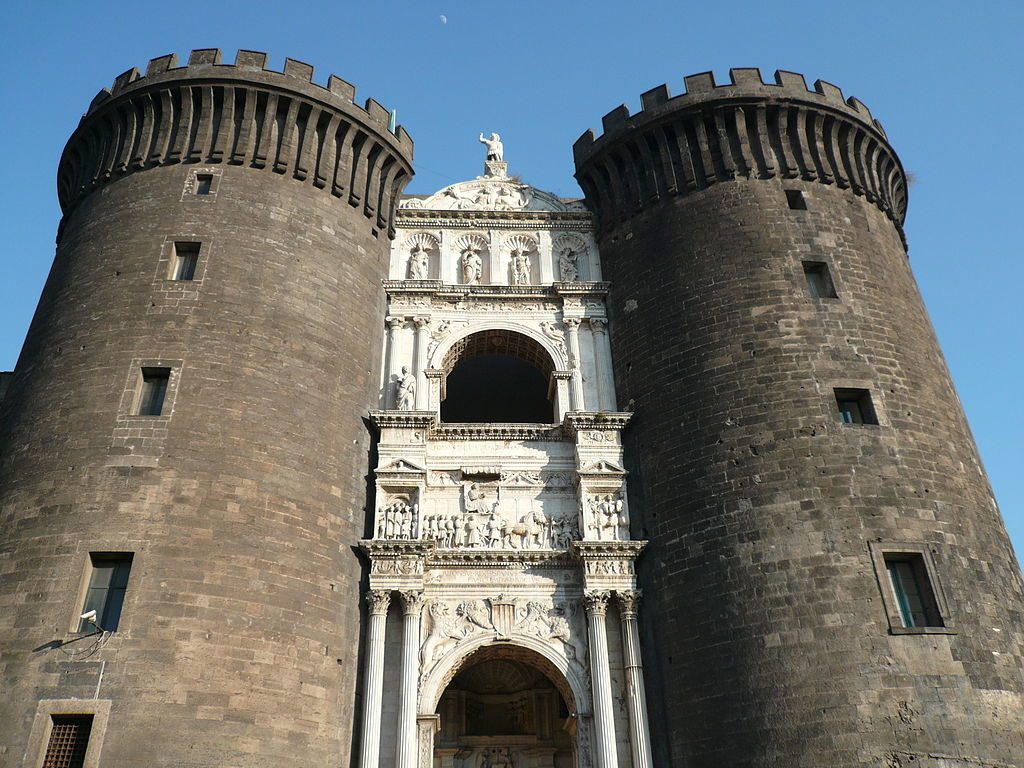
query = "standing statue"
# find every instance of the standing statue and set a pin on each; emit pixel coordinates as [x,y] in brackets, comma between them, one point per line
[567,266]
[495,150]
[419,264]
[405,391]
[520,267]
[472,267]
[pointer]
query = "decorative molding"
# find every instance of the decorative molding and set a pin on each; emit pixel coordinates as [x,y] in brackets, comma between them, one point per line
[378,601]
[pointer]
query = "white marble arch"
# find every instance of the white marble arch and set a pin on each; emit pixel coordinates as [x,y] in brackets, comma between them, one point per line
[444,670]
[558,356]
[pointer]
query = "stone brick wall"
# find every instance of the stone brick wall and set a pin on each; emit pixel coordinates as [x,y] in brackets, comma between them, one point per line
[239,638]
[766,640]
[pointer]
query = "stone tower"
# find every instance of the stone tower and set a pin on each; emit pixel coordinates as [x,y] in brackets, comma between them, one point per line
[188,413]
[828,580]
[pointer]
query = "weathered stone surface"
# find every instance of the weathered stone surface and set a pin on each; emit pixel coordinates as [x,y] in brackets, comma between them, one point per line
[238,643]
[764,633]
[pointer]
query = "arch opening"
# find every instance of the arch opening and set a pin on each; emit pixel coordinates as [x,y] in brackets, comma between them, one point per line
[497,376]
[507,706]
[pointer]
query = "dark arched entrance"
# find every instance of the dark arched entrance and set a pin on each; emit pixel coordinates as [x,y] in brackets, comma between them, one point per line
[503,709]
[497,376]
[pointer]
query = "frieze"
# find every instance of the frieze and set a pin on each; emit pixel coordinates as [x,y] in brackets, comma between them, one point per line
[449,622]
[397,566]
[497,432]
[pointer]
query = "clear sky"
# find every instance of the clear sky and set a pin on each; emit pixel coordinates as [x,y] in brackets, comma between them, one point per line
[943,77]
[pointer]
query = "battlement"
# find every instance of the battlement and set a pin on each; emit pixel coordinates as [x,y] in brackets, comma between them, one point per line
[744,83]
[240,114]
[250,66]
[747,128]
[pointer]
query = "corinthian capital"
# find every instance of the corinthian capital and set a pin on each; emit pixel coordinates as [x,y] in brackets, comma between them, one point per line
[394,323]
[571,323]
[378,600]
[596,602]
[629,601]
[412,601]
[598,324]
[422,323]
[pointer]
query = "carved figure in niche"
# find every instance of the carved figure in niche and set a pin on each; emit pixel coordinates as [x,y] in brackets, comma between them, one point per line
[495,149]
[444,631]
[449,531]
[397,520]
[419,263]
[520,267]
[476,500]
[472,266]
[405,390]
[568,266]
[607,517]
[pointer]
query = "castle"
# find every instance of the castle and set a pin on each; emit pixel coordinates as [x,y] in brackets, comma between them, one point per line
[298,470]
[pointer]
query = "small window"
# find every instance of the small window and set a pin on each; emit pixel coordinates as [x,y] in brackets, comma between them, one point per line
[69,741]
[108,582]
[204,183]
[912,590]
[796,200]
[154,391]
[186,259]
[855,406]
[819,280]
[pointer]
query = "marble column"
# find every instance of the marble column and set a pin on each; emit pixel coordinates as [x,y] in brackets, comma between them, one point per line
[603,364]
[390,392]
[600,674]
[412,604]
[636,696]
[369,749]
[572,338]
[420,361]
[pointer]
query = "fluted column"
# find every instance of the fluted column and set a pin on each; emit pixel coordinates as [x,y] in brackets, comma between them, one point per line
[604,748]
[412,604]
[572,337]
[390,395]
[369,751]
[603,364]
[636,696]
[420,361]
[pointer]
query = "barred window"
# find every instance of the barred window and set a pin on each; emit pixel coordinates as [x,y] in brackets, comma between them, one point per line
[69,741]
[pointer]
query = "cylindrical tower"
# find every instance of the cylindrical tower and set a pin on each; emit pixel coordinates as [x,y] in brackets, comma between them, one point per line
[828,581]
[187,419]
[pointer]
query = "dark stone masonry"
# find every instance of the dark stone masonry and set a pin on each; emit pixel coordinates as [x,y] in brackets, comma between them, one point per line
[727,218]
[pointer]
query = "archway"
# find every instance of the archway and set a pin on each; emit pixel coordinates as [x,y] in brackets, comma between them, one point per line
[505,707]
[497,376]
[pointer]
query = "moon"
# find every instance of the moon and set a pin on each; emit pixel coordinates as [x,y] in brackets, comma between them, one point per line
[444,19]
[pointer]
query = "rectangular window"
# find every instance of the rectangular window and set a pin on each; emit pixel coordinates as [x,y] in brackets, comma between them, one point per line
[204,183]
[855,406]
[108,582]
[69,741]
[819,280]
[186,259]
[912,590]
[795,199]
[154,391]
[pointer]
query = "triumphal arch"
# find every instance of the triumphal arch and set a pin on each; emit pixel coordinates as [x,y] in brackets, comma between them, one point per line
[502,625]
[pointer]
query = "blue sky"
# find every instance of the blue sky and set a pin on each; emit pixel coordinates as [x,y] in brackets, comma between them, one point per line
[943,77]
